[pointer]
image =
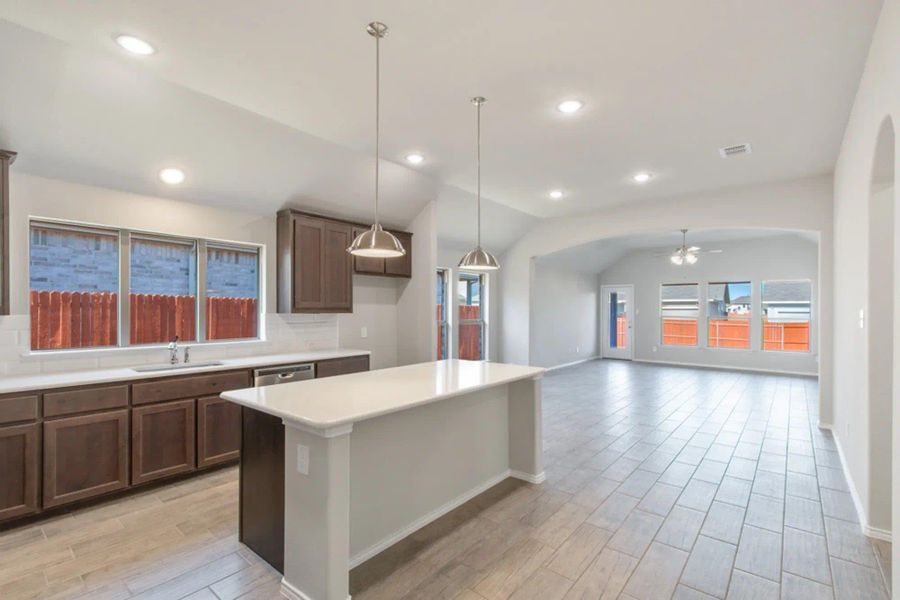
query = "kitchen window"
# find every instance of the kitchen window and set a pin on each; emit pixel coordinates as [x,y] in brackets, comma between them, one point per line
[97,287]
[786,315]
[679,310]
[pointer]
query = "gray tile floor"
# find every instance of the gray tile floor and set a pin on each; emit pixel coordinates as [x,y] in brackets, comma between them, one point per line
[703,484]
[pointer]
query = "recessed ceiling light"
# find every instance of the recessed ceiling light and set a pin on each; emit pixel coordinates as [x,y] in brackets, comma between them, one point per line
[569,106]
[556,194]
[135,45]
[172,176]
[642,177]
[415,158]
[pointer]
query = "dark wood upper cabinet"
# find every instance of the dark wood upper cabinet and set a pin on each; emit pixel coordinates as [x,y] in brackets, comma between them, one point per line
[6,158]
[162,440]
[19,470]
[85,456]
[315,271]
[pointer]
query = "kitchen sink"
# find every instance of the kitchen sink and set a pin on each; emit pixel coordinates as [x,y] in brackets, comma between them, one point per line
[169,367]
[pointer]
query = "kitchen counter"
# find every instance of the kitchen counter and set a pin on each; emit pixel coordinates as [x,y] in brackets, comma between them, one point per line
[374,393]
[43,381]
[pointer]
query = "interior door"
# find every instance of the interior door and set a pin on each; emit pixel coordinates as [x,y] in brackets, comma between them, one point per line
[617,321]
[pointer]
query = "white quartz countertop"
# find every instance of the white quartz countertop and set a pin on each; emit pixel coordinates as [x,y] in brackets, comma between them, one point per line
[46,381]
[335,401]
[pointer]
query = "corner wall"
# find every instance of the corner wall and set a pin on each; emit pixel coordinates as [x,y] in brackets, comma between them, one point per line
[877,100]
[564,316]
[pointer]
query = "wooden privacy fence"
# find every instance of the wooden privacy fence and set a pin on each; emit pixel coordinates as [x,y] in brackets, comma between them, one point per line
[90,319]
[621,331]
[73,319]
[735,333]
[470,333]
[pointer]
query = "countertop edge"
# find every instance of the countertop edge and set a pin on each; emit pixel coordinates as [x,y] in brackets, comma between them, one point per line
[67,379]
[323,427]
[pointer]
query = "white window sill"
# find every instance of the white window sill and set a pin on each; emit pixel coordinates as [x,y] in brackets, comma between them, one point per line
[126,350]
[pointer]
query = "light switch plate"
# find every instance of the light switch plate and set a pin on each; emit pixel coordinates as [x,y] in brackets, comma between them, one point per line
[302,459]
[364,332]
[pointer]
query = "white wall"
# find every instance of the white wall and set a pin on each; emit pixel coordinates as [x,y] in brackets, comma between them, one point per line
[877,101]
[563,315]
[448,258]
[375,306]
[417,335]
[780,257]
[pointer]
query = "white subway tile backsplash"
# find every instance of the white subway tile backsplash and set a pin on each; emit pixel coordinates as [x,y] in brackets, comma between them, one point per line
[284,333]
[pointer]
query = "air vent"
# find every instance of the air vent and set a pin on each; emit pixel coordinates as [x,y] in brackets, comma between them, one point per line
[729,151]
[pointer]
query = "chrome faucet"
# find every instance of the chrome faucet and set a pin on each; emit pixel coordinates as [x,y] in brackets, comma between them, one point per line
[173,351]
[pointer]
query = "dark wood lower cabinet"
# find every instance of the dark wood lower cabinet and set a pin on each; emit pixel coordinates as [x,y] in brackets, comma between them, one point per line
[85,456]
[342,366]
[218,431]
[162,440]
[19,470]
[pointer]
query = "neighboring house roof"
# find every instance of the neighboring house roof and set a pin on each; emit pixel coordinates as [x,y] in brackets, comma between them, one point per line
[741,300]
[688,292]
[786,291]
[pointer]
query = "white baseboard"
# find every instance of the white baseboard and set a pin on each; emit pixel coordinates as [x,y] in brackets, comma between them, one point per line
[439,512]
[573,363]
[536,479]
[724,367]
[854,493]
[290,591]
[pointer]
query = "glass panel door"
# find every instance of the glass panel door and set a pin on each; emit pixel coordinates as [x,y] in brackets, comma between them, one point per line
[616,322]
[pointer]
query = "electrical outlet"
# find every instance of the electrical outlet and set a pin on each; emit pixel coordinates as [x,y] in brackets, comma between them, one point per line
[364,332]
[654,348]
[302,459]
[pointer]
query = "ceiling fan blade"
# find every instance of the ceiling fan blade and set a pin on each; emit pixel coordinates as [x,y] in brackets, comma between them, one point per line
[693,249]
[717,251]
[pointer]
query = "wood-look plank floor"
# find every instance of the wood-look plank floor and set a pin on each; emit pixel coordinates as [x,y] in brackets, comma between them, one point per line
[662,483]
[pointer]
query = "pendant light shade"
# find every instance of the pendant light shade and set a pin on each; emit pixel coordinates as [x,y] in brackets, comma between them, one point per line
[376,242]
[478,259]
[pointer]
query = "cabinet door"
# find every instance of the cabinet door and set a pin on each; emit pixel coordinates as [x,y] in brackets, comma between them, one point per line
[309,260]
[218,431]
[402,265]
[85,456]
[366,265]
[19,470]
[338,267]
[162,440]
[342,366]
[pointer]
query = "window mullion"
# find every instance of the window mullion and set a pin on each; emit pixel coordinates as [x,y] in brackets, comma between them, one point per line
[201,291]
[124,288]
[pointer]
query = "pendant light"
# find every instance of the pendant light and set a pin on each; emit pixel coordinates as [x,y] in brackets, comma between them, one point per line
[478,259]
[376,242]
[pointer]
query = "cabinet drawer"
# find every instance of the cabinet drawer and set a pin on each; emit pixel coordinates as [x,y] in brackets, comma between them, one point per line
[18,408]
[342,366]
[69,402]
[188,387]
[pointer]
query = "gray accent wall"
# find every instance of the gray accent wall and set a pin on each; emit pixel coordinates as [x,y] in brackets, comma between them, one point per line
[771,258]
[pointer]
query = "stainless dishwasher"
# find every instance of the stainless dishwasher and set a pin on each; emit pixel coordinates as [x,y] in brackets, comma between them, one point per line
[284,374]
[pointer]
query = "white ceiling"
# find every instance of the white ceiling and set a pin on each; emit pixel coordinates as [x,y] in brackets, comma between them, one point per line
[597,256]
[665,85]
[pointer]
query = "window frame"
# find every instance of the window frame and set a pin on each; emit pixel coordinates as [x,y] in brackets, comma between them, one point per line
[483,305]
[661,328]
[750,321]
[445,323]
[762,315]
[124,235]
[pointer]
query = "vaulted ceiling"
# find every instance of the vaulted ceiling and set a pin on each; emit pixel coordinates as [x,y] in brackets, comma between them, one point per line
[271,101]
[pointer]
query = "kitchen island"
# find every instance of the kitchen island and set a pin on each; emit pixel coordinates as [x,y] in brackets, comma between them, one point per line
[369,458]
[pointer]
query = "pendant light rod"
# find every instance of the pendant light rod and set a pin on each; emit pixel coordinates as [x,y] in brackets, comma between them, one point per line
[478,101]
[377,30]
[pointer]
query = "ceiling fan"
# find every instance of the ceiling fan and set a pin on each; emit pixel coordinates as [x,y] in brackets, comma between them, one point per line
[687,255]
